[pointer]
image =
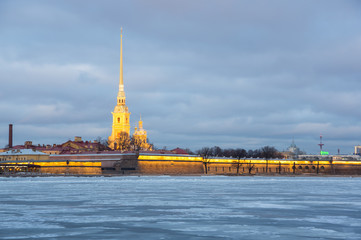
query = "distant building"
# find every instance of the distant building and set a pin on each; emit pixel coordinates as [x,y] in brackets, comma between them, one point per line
[357,150]
[78,145]
[69,147]
[329,157]
[23,155]
[179,151]
[292,151]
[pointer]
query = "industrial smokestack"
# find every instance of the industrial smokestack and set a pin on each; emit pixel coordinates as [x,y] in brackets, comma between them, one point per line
[10,136]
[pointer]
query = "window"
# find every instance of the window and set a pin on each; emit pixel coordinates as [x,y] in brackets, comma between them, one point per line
[313,167]
[306,167]
[322,167]
[128,169]
[118,120]
[299,167]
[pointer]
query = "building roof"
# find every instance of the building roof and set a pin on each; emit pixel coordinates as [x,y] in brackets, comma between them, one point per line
[179,151]
[22,152]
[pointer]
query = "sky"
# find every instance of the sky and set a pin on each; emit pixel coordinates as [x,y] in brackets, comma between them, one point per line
[234,74]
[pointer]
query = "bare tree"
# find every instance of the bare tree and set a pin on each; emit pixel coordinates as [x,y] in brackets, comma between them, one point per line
[122,142]
[189,151]
[238,153]
[269,152]
[135,144]
[216,151]
[102,144]
[250,167]
[205,153]
[237,164]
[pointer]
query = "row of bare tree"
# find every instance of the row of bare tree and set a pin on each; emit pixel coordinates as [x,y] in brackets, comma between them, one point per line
[266,152]
[124,143]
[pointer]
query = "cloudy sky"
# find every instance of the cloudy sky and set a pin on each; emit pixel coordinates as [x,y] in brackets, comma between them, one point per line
[200,72]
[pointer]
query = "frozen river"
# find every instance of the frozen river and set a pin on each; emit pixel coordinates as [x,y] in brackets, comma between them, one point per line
[214,207]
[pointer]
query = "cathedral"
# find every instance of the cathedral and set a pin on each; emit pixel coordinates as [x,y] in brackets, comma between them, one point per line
[120,138]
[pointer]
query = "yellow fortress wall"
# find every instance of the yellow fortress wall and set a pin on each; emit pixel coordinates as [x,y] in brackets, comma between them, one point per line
[163,164]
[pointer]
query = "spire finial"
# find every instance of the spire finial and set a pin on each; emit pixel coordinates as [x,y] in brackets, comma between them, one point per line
[140,123]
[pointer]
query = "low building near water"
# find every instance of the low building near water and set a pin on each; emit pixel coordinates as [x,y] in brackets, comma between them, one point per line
[23,155]
[21,160]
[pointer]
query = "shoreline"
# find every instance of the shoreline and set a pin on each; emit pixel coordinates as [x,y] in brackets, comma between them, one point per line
[176,175]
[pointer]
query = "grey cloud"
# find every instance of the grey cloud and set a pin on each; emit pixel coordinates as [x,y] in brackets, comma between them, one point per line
[234,74]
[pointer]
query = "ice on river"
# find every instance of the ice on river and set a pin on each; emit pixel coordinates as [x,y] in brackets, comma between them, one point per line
[163,207]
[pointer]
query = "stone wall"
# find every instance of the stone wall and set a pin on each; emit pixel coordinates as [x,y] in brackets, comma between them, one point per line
[169,167]
[261,167]
[161,164]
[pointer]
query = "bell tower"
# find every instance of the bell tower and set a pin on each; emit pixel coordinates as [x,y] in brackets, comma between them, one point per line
[121,126]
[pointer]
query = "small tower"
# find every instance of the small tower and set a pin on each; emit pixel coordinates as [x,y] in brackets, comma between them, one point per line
[121,126]
[140,137]
[320,144]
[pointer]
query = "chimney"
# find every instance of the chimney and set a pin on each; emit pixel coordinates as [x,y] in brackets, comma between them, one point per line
[10,136]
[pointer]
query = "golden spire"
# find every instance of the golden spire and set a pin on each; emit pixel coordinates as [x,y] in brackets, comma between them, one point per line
[140,122]
[121,83]
[121,94]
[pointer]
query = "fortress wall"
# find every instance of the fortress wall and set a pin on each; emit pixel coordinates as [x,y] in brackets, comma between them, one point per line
[161,164]
[107,163]
[169,167]
[351,168]
[81,170]
[70,167]
[229,167]
[91,157]
[256,168]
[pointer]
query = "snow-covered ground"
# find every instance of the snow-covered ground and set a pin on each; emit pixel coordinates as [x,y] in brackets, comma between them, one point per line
[162,207]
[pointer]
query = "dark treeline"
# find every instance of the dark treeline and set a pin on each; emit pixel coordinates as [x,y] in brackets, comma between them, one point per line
[266,152]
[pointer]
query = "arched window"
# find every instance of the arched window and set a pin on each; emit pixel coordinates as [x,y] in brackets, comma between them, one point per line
[118,120]
[299,167]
